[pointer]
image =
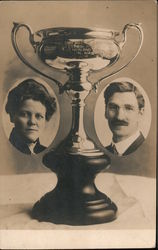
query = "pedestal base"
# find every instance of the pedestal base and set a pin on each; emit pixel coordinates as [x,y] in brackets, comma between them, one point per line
[61,209]
[75,200]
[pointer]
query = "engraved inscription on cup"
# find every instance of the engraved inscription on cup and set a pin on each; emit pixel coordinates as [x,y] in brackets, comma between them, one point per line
[98,48]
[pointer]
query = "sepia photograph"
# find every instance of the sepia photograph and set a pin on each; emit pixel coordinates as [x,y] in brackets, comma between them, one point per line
[78,124]
[126,116]
[29,106]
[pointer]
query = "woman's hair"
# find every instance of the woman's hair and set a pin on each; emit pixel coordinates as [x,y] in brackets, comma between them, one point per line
[30,89]
[121,87]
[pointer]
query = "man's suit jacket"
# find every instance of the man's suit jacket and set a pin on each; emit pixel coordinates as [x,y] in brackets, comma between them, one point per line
[132,147]
[21,146]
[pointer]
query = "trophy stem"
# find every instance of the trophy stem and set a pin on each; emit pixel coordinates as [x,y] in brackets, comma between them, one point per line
[77,140]
[77,120]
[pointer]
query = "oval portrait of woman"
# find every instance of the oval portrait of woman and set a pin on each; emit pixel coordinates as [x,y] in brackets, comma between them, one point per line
[122,116]
[31,116]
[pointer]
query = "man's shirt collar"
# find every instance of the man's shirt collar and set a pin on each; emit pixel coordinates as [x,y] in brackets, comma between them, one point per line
[122,146]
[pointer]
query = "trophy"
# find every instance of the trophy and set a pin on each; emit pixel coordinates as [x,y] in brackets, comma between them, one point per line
[78,52]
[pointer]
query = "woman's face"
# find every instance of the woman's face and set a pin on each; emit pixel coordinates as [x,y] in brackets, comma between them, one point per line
[30,120]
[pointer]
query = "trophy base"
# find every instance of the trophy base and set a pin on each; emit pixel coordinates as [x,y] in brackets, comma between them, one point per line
[75,200]
[60,209]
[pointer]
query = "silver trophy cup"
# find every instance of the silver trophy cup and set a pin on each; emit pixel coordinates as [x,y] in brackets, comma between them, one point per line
[77,160]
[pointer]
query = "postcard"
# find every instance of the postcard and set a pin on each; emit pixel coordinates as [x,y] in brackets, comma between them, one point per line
[78,124]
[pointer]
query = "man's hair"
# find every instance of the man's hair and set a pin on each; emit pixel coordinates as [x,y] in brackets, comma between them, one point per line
[30,89]
[121,87]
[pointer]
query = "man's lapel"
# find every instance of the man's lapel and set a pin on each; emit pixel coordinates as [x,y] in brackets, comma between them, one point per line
[135,144]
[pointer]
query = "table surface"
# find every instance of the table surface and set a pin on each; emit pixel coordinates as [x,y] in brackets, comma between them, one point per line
[135,197]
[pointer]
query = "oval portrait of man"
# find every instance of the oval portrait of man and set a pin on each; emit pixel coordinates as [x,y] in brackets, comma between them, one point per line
[31,116]
[122,116]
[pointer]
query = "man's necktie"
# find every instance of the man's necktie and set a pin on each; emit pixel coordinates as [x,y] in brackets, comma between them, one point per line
[114,149]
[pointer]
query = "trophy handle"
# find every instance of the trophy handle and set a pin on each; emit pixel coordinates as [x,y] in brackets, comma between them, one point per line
[34,44]
[121,44]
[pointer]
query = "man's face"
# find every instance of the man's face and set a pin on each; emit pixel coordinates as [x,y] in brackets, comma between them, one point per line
[122,112]
[29,121]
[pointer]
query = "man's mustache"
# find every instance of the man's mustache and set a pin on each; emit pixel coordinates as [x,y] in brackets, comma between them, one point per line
[119,123]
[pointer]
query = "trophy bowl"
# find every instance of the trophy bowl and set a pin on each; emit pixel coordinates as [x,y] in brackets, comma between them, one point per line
[67,48]
[77,160]
[60,47]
